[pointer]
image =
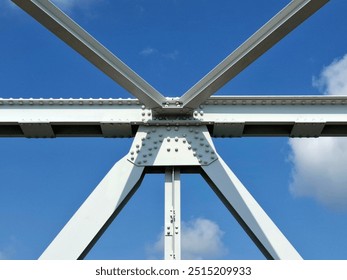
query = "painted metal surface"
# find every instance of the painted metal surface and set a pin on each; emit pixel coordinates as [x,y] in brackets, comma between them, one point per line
[172,215]
[172,134]
[94,216]
[226,116]
[77,38]
[172,146]
[256,223]
[278,27]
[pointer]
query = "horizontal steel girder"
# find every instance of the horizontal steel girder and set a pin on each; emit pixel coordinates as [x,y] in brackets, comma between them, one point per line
[225,116]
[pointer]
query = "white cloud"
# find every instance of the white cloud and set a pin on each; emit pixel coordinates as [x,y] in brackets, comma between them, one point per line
[172,55]
[69,5]
[319,165]
[320,170]
[148,51]
[333,79]
[200,239]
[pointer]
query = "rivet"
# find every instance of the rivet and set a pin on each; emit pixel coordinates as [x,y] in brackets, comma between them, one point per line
[144,156]
[207,150]
[132,158]
[139,162]
[143,114]
[168,139]
[137,146]
[205,162]
[176,139]
[201,144]
[176,149]
[168,149]
[196,131]
[189,147]
[168,128]
[155,147]
[143,107]
[148,137]
[184,141]
[145,161]
[137,151]
[176,128]
[143,139]
[194,154]
[212,157]
[132,152]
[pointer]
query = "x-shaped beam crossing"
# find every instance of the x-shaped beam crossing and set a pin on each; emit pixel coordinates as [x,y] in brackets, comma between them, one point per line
[267,36]
[172,148]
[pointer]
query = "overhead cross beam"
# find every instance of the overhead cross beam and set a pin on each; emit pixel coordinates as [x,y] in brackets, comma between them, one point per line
[277,28]
[77,38]
[71,33]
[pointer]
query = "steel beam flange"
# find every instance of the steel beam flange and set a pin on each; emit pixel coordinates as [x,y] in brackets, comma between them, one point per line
[172,146]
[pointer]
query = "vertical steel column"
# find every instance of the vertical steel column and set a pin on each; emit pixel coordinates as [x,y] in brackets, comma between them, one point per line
[172,230]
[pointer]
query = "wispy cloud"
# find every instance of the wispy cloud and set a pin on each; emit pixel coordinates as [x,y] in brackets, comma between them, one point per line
[200,239]
[149,51]
[319,165]
[172,55]
[69,5]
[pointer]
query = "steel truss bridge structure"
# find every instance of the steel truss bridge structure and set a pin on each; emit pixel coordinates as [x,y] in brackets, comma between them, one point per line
[171,135]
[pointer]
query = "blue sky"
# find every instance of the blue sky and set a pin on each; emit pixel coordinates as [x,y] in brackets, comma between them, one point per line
[302,184]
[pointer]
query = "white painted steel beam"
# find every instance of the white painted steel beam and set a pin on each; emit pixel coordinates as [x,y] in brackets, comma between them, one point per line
[94,216]
[234,116]
[267,36]
[172,219]
[77,38]
[261,229]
